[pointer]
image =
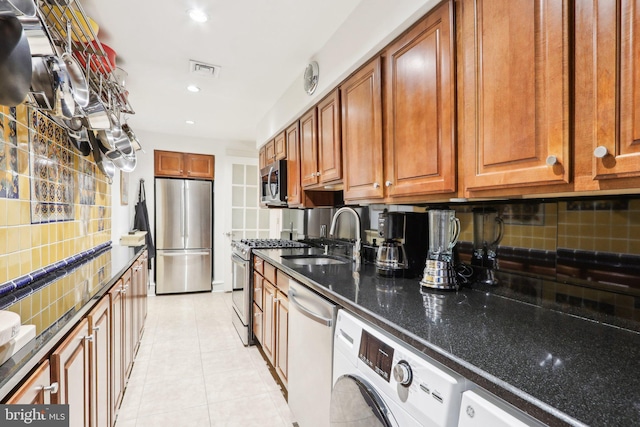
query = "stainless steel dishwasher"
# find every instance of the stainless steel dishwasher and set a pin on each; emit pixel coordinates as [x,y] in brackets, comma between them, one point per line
[312,321]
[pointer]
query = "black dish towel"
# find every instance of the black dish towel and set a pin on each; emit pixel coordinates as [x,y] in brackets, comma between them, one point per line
[141,221]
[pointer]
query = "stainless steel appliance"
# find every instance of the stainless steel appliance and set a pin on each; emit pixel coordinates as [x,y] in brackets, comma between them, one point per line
[273,184]
[242,280]
[380,381]
[311,324]
[444,229]
[488,229]
[404,246]
[183,211]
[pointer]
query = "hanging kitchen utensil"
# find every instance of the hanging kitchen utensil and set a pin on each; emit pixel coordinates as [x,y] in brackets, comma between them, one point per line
[126,163]
[18,7]
[39,40]
[51,86]
[135,142]
[79,84]
[80,141]
[15,62]
[105,165]
[97,116]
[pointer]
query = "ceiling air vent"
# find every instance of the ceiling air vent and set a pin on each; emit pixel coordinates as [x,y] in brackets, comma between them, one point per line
[203,69]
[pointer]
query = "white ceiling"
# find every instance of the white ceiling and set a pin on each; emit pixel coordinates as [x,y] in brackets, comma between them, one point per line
[262,47]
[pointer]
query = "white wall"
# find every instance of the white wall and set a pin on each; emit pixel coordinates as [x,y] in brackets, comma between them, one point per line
[371,26]
[122,216]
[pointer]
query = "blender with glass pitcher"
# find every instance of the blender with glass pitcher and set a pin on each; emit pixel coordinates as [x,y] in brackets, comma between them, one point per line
[444,229]
[488,230]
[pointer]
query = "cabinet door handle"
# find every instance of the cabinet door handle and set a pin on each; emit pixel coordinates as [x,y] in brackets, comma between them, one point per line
[317,173]
[88,338]
[257,289]
[600,151]
[96,328]
[376,185]
[388,183]
[552,160]
[53,388]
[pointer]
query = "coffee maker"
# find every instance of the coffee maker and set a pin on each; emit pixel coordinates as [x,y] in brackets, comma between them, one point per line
[405,238]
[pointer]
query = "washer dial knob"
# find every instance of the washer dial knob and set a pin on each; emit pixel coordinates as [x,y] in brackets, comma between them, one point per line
[402,373]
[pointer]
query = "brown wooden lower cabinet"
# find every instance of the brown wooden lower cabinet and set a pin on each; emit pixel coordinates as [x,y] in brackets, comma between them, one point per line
[37,389]
[89,369]
[282,336]
[268,321]
[100,363]
[70,369]
[116,300]
[271,316]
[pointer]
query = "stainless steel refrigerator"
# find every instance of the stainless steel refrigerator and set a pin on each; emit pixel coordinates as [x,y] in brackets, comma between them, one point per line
[183,212]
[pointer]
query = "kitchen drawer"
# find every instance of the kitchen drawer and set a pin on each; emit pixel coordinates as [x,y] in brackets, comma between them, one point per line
[282,282]
[257,322]
[270,273]
[257,289]
[258,264]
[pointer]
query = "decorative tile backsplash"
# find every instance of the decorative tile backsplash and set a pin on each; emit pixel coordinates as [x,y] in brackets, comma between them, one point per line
[54,202]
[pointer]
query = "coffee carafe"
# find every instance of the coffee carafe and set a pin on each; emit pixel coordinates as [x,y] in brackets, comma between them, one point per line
[444,229]
[404,244]
[488,229]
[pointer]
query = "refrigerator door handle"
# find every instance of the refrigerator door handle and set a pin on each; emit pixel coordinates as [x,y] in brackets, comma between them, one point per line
[170,254]
[186,216]
[182,205]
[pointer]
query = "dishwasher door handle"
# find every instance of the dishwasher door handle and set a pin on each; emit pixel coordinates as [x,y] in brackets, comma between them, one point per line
[308,313]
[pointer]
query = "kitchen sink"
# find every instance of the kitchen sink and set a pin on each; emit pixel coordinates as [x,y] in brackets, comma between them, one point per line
[315,259]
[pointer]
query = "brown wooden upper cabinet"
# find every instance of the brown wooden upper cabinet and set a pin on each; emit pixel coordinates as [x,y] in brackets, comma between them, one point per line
[184,165]
[321,143]
[362,151]
[607,92]
[419,116]
[292,136]
[513,83]
[276,149]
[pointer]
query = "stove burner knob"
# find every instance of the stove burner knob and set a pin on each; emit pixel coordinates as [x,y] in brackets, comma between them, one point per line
[402,373]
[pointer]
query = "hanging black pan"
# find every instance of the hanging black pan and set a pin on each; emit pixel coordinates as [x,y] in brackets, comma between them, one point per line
[15,62]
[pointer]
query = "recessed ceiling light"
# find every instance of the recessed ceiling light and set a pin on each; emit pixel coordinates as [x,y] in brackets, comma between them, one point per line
[198,15]
[190,122]
[193,88]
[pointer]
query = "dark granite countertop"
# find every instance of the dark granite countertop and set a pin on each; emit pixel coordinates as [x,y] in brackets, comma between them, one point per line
[116,260]
[560,368]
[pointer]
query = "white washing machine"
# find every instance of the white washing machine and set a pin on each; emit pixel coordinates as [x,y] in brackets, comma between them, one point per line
[380,381]
[481,409]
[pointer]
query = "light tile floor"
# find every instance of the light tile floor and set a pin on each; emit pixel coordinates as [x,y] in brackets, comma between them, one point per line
[192,370]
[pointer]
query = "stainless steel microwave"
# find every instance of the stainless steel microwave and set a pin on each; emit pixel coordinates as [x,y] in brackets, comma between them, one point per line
[273,184]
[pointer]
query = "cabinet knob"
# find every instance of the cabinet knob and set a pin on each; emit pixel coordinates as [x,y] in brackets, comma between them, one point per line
[600,151]
[317,173]
[376,185]
[89,338]
[552,160]
[388,183]
[96,328]
[53,388]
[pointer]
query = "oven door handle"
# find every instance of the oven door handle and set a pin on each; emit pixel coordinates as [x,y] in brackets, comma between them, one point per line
[237,259]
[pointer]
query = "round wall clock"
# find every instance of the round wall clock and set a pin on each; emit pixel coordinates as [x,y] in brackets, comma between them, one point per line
[311,74]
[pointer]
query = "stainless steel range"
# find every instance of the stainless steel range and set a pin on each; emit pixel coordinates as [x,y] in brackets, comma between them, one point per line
[242,284]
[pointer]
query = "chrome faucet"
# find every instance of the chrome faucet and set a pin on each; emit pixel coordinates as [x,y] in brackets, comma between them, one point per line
[358,245]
